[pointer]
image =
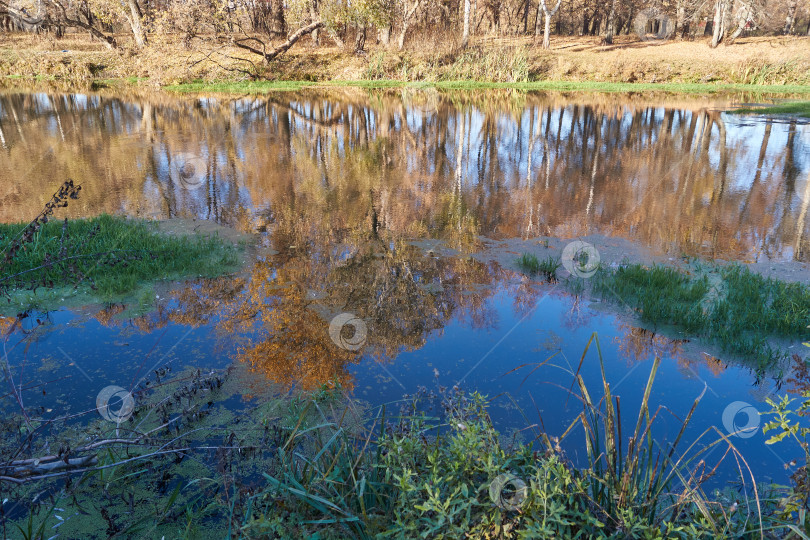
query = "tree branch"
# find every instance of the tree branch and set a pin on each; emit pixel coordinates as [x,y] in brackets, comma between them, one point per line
[281,49]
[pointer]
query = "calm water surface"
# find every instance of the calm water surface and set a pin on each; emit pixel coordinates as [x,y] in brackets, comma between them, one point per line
[371,203]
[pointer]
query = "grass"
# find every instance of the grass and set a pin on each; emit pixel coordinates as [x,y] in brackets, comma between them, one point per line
[455,476]
[560,86]
[256,87]
[108,257]
[737,309]
[798,108]
[532,265]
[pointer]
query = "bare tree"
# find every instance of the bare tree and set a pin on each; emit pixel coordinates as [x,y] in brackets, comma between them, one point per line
[547,15]
[407,16]
[465,33]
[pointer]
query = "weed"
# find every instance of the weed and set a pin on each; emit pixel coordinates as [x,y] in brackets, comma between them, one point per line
[108,256]
[547,267]
[740,312]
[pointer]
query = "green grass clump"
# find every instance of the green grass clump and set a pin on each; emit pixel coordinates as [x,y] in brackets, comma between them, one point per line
[741,312]
[755,307]
[798,108]
[258,87]
[108,256]
[663,295]
[532,265]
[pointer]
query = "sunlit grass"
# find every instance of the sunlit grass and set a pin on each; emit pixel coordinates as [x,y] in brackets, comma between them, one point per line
[562,86]
[109,256]
[741,312]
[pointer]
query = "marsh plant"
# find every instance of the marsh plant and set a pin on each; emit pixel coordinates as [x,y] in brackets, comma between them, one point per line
[737,309]
[547,268]
[105,256]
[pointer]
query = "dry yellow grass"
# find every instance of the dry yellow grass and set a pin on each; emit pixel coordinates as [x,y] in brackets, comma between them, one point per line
[765,60]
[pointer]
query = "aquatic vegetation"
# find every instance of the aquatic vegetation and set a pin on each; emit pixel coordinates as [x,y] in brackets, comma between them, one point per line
[452,475]
[662,295]
[738,309]
[532,265]
[315,465]
[106,255]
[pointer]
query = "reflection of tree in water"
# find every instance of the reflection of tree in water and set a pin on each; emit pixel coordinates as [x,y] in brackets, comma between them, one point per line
[400,293]
[639,344]
[282,308]
[503,165]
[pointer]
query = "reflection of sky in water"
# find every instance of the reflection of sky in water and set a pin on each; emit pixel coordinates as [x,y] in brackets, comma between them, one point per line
[644,185]
[484,357]
[83,356]
[539,165]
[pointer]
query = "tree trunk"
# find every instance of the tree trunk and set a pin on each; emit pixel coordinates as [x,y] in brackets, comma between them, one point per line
[465,34]
[406,21]
[790,18]
[385,35]
[744,15]
[547,15]
[680,18]
[401,38]
[278,25]
[135,23]
[719,23]
[538,20]
[313,13]
[610,27]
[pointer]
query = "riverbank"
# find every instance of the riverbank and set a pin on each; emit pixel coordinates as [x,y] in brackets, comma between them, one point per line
[772,65]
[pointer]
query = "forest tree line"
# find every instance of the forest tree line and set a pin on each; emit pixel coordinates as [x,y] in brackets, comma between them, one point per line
[269,28]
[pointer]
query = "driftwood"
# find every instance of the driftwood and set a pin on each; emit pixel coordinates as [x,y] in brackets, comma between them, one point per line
[37,466]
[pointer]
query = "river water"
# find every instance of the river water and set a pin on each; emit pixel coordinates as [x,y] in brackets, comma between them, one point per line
[370,209]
